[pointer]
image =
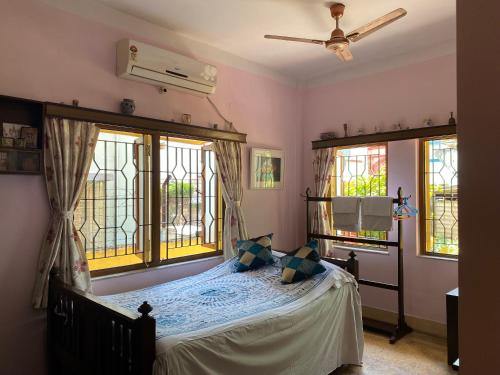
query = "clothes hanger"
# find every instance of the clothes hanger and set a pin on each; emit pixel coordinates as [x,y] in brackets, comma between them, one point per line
[405,210]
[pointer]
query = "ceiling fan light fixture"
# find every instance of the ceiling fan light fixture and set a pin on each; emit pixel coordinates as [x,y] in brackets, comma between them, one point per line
[337,44]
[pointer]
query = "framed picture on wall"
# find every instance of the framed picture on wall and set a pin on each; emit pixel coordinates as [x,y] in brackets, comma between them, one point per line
[267,169]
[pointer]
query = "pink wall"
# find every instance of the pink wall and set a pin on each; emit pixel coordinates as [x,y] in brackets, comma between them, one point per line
[406,95]
[56,56]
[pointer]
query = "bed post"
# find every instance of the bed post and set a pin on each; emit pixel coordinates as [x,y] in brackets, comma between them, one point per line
[352,265]
[145,345]
[51,304]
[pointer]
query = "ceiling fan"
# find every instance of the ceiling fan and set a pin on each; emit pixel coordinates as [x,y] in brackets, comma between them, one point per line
[338,42]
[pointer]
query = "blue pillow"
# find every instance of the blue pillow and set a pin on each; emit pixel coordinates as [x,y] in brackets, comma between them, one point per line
[301,264]
[254,253]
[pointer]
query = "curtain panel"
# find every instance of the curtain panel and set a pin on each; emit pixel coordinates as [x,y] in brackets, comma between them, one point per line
[68,152]
[323,163]
[229,168]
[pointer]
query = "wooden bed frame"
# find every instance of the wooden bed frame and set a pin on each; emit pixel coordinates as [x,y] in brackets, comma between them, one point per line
[86,335]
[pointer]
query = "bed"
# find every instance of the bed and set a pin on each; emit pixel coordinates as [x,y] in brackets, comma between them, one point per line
[218,322]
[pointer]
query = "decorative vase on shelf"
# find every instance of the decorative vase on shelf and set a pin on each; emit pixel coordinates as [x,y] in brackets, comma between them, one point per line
[127,106]
[452,120]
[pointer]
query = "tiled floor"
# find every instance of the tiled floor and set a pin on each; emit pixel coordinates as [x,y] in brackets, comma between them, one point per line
[415,354]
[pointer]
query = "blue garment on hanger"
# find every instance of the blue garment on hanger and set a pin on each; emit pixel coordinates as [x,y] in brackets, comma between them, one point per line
[405,210]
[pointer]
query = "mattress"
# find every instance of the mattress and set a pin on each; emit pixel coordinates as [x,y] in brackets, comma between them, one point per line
[226,322]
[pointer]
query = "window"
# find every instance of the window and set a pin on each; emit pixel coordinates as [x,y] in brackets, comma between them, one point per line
[190,208]
[439,196]
[361,171]
[117,216]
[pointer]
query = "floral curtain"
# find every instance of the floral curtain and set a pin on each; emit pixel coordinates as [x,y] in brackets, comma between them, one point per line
[68,151]
[228,156]
[323,162]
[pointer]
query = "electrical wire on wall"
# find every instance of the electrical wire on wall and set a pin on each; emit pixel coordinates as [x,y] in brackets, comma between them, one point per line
[227,122]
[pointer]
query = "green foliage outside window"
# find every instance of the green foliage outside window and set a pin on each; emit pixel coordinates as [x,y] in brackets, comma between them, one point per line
[362,186]
[181,189]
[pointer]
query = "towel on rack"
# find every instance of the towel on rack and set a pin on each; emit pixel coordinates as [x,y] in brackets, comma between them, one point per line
[345,212]
[376,213]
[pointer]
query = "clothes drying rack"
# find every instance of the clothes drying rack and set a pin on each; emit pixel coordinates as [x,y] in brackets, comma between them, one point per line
[395,331]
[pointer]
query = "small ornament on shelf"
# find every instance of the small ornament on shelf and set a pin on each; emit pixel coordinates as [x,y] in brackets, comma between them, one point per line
[75,103]
[127,106]
[6,142]
[20,142]
[328,135]
[346,134]
[30,136]
[361,131]
[428,122]
[186,118]
[452,120]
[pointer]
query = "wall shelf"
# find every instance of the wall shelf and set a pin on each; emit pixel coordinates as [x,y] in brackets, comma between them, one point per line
[16,160]
[20,160]
[397,135]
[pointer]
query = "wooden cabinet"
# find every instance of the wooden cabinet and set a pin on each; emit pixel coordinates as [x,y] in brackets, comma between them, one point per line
[452,327]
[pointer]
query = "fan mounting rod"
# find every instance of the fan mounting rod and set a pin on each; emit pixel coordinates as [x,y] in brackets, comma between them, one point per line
[337,10]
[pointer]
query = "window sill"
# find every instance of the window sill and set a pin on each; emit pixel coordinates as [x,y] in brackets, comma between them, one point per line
[156,268]
[437,257]
[361,249]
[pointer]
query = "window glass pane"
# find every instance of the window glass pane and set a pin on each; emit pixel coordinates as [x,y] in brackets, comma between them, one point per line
[361,171]
[190,203]
[113,217]
[441,196]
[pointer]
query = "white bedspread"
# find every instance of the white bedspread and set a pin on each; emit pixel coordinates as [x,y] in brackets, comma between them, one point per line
[308,328]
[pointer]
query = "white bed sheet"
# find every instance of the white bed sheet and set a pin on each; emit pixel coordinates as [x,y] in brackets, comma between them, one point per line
[312,336]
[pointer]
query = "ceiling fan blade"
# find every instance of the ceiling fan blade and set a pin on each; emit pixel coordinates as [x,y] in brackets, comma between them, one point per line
[344,54]
[291,39]
[375,25]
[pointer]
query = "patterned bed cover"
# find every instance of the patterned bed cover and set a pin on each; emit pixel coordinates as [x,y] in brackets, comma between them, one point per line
[223,322]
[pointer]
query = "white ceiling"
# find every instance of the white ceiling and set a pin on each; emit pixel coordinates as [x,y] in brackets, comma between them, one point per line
[238,26]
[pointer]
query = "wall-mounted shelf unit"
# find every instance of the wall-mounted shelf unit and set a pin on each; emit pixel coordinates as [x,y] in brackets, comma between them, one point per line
[21,160]
[397,135]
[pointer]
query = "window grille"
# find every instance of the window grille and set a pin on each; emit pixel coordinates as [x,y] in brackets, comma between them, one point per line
[190,208]
[114,218]
[360,171]
[440,196]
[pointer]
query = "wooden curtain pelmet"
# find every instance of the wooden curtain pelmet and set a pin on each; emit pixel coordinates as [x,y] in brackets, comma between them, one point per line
[398,135]
[141,123]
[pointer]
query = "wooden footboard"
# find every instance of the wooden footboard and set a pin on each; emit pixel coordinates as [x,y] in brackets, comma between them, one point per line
[88,336]
[351,265]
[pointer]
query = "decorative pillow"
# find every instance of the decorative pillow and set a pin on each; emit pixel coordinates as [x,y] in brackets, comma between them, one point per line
[301,264]
[254,253]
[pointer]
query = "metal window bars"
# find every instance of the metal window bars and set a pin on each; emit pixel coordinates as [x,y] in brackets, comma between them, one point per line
[190,206]
[441,196]
[111,218]
[114,215]
[361,171]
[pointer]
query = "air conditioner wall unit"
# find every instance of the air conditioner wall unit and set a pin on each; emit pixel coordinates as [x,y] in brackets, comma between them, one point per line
[159,67]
